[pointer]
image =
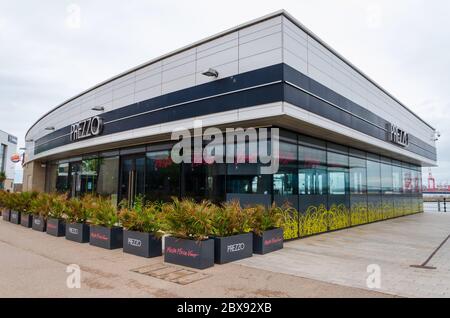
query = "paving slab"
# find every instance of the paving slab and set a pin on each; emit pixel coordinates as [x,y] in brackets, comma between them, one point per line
[343,257]
[34,264]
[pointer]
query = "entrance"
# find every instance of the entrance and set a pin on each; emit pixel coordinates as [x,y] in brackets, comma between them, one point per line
[75,179]
[132,182]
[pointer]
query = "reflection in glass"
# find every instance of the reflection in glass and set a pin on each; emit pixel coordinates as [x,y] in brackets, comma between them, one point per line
[162,176]
[312,176]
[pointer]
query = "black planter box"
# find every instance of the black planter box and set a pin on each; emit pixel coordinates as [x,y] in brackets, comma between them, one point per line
[39,223]
[56,227]
[195,254]
[232,248]
[14,217]
[271,240]
[77,232]
[26,220]
[6,214]
[141,244]
[109,238]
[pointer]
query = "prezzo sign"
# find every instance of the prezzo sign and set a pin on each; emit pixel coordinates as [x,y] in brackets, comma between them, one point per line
[235,247]
[134,242]
[73,230]
[398,135]
[86,128]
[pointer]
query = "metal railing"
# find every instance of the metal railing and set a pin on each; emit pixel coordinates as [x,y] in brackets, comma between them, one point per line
[441,205]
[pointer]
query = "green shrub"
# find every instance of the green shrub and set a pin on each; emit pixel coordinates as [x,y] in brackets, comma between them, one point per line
[41,205]
[264,219]
[142,217]
[230,219]
[58,206]
[189,220]
[102,212]
[77,210]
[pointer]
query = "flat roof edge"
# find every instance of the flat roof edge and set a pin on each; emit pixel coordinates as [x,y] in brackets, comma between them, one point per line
[221,34]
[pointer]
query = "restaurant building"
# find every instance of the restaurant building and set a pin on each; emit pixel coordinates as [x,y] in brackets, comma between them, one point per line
[350,152]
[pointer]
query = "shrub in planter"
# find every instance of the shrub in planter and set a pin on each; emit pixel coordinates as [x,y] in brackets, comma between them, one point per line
[231,227]
[104,231]
[190,224]
[6,215]
[22,203]
[77,214]
[56,224]
[14,217]
[3,195]
[6,202]
[40,208]
[267,230]
[26,220]
[142,228]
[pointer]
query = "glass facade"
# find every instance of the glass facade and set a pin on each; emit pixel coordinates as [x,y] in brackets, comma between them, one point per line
[331,186]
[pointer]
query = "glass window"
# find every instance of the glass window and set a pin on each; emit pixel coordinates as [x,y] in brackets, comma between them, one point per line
[419,171]
[386,178]
[358,176]
[337,173]
[397,186]
[62,177]
[108,178]
[407,180]
[285,180]
[373,177]
[162,176]
[246,178]
[88,176]
[415,180]
[312,176]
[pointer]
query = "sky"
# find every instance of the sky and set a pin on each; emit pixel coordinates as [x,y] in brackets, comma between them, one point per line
[52,50]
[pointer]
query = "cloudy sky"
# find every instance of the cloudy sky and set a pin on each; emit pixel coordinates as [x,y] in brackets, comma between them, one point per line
[48,55]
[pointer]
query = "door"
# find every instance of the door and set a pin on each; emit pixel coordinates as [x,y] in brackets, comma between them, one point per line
[75,179]
[132,178]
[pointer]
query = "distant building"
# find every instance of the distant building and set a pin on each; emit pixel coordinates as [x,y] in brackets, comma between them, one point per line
[8,147]
[17,187]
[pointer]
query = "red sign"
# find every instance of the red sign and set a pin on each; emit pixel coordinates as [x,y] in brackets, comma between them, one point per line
[15,158]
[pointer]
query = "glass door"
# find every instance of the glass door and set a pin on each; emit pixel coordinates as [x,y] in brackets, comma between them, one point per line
[132,182]
[75,179]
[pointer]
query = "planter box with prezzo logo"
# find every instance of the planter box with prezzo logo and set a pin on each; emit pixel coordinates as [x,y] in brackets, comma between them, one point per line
[271,240]
[77,232]
[195,254]
[56,227]
[109,238]
[14,217]
[39,223]
[26,220]
[141,244]
[6,214]
[232,248]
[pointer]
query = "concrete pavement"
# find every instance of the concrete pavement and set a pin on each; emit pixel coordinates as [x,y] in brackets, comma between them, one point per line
[33,264]
[391,246]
